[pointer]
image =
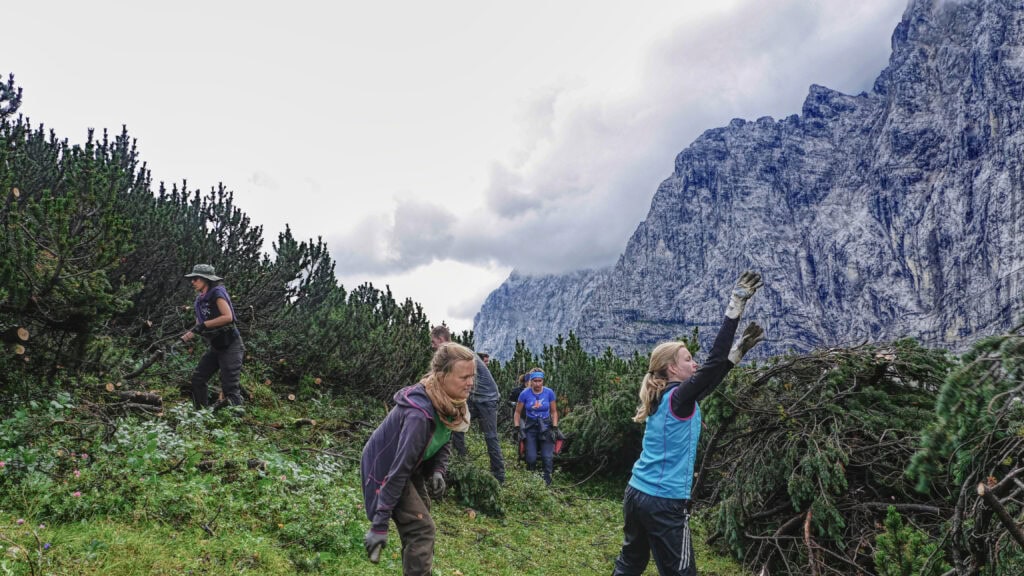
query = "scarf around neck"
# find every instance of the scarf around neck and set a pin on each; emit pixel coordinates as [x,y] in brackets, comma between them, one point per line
[454,414]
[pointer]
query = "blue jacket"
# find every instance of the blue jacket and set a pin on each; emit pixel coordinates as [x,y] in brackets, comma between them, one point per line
[395,450]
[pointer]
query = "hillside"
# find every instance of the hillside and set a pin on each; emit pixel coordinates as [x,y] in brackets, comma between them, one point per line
[94,487]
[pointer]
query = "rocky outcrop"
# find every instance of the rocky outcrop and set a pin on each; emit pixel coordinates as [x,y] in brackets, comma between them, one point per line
[893,213]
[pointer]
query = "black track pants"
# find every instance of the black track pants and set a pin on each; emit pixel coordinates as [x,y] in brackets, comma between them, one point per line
[655,525]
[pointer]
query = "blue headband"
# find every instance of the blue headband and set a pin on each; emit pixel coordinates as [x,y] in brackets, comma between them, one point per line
[533,375]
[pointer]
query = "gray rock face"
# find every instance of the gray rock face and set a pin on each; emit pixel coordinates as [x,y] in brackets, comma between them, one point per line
[533,309]
[894,213]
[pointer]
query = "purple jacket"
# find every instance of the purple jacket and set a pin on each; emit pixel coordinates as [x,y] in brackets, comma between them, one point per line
[395,450]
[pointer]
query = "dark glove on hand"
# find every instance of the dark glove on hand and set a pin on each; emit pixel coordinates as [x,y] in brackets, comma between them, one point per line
[751,336]
[374,542]
[746,285]
[436,486]
[522,433]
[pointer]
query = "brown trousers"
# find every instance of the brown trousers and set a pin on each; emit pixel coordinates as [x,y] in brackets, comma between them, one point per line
[415,528]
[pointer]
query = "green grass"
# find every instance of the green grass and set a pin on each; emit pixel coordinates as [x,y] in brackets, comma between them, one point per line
[145,507]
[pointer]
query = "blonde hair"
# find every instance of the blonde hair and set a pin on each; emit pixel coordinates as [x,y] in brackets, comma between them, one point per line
[453,413]
[656,379]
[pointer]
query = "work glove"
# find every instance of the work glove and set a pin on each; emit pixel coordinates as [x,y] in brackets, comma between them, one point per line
[374,542]
[436,485]
[751,336]
[746,285]
[522,432]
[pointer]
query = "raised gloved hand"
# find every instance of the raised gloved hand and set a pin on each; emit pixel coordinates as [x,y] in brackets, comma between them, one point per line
[751,336]
[374,542]
[436,485]
[746,285]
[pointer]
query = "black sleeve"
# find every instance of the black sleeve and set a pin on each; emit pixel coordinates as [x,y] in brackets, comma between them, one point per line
[710,375]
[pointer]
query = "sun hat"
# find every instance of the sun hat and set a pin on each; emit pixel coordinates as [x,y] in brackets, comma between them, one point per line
[203,271]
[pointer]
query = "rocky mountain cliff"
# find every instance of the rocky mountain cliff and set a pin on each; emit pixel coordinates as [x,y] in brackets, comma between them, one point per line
[893,213]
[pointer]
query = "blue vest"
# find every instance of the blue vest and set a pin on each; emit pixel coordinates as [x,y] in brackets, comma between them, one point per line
[665,467]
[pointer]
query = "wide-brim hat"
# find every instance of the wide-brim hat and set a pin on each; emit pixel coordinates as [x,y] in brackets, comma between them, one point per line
[204,271]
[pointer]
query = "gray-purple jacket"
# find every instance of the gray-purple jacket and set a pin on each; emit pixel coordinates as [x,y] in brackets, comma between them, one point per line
[395,450]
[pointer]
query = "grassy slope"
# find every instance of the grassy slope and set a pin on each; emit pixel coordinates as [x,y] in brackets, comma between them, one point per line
[140,514]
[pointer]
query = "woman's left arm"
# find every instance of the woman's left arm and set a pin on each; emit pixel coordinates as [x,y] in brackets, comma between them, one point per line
[225,318]
[554,413]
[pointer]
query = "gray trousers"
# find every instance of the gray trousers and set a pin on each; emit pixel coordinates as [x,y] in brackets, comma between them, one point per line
[485,414]
[229,362]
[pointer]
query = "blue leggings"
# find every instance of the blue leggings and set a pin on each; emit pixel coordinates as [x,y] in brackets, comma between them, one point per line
[535,438]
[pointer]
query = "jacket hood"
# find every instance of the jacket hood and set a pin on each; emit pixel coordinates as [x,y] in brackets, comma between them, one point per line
[414,397]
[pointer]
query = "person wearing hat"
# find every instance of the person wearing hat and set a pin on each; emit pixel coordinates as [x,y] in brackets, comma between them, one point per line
[215,322]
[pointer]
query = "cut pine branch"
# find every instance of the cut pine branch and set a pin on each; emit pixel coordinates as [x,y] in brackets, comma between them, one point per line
[992,502]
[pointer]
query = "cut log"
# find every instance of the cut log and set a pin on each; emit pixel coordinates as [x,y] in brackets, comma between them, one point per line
[147,398]
[304,422]
[15,335]
[17,349]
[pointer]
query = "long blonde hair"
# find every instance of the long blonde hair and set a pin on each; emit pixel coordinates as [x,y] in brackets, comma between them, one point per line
[656,379]
[451,412]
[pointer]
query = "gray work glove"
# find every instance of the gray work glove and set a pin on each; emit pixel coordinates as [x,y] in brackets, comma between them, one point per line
[374,542]
[751,336]
[746,285]
[436,485]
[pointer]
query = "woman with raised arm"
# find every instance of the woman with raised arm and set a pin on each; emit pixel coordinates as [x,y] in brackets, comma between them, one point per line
[656,505]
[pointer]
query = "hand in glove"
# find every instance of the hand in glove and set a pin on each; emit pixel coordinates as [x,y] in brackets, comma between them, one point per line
[751,336]
[374,542]
[522,432]
[746,285]
[436,485]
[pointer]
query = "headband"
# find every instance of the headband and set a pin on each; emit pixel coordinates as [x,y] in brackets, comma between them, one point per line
[533,375]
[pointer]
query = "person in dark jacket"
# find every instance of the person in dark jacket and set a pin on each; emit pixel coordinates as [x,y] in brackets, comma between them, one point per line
[405,460]
[656,506]
[215,322]
[483,406]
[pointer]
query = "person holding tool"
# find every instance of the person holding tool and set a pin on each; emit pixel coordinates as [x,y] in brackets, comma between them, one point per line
[215,322]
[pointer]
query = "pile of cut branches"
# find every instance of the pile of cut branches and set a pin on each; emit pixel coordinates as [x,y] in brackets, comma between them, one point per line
[803,457]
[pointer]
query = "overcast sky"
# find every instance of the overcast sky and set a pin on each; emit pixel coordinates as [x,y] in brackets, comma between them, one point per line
[435,145]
